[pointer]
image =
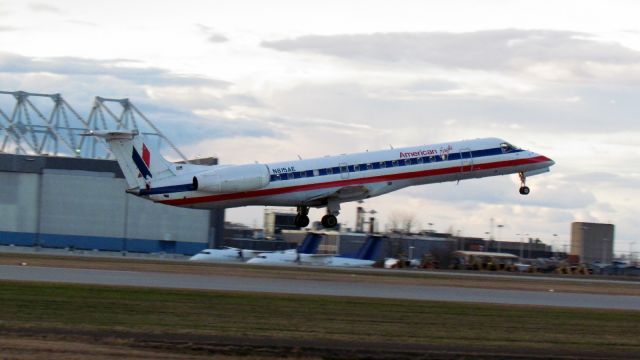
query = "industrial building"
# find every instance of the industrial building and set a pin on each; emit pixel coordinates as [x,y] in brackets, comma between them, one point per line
[592,242]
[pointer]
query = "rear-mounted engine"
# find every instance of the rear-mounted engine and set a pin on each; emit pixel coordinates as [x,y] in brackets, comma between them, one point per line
[230,179]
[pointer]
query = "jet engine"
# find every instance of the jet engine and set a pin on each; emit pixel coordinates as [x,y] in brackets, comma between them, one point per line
[228,179]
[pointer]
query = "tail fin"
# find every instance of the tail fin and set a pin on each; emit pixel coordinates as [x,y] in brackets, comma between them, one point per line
[310,244]
[139,162]
[370,248]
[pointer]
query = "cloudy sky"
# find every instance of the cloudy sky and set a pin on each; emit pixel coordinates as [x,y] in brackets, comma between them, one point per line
[267,81]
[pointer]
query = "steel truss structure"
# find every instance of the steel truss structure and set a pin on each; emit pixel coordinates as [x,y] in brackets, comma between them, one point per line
[29,129]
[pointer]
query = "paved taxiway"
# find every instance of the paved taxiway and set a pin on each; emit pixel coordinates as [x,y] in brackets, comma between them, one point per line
[317,287]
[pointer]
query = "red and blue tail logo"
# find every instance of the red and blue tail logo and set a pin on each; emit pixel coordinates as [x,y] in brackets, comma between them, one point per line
[142,163]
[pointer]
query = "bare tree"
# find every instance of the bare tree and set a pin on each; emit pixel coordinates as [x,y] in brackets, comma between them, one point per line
[401,221]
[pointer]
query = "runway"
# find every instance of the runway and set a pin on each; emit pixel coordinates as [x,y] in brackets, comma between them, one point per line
[317,287]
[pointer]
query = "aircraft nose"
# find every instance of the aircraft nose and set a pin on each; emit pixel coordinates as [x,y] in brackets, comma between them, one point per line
[551,162]
[548,161]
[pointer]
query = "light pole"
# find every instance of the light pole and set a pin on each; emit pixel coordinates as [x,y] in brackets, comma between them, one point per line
[522,245]
[488,242]
[500,226]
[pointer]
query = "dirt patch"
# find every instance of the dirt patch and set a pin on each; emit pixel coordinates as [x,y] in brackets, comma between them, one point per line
[50,343]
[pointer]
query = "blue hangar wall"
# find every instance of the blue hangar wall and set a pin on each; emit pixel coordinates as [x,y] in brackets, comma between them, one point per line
[81,203]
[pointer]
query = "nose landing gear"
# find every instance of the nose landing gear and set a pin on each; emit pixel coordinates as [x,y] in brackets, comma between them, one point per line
[524,189]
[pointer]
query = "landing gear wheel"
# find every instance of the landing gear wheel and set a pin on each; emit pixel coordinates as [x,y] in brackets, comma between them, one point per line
[329,221]
[524,189]
[301,220]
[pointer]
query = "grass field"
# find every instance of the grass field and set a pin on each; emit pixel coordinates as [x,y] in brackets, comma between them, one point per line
[38,319]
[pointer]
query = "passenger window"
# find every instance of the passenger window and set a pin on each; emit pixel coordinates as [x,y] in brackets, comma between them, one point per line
[356,167]
[383,164]
[311,173]
[329,171]
[343,169]
[394,163]
[369,166]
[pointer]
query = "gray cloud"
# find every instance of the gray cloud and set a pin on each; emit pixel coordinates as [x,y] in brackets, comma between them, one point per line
[79,80]
[187,128]
[551,110]
[7,28]
[74,66]
[484,50]
[82,22]
[211,34]
[42,7]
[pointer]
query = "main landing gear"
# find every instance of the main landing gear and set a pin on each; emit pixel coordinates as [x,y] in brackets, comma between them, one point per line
[524,189]
[302,219]
[328,221]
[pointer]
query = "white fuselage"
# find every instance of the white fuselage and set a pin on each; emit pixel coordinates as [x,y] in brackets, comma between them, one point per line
[358,176]
[223,255]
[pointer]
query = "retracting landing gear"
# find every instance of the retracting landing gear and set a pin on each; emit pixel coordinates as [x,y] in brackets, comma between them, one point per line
[330,220]
[302,219]
[524,189]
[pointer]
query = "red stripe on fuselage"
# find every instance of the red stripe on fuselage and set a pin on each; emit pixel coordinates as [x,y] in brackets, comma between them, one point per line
[359,181]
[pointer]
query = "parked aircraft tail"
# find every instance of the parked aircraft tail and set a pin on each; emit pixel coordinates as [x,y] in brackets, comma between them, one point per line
[370,248]
[310,244]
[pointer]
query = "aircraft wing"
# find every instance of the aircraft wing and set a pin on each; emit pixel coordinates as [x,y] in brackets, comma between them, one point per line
[345,193]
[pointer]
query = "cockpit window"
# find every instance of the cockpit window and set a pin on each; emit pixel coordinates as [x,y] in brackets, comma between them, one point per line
[506,147]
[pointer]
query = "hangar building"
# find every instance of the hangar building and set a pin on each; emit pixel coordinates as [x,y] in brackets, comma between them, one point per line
[79,203]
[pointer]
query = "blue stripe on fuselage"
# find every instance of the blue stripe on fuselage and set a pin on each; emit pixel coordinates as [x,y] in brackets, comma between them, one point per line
[168,189]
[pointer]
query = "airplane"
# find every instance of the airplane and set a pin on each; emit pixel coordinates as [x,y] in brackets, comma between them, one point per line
[319,182]
[365,256]
[225,254]
[301,255]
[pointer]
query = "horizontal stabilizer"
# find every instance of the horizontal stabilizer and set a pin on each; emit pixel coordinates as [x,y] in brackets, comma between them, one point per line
[112,135]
